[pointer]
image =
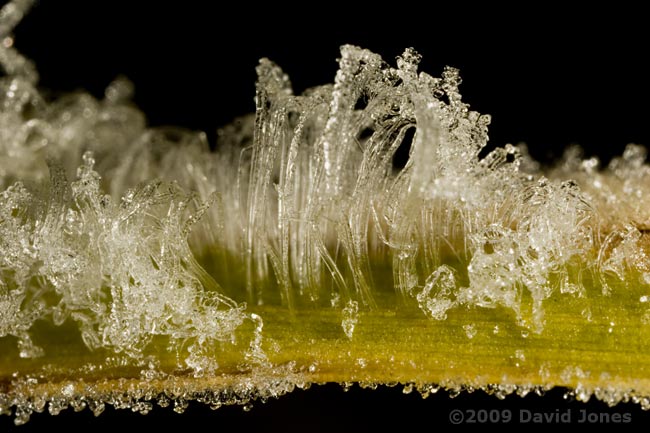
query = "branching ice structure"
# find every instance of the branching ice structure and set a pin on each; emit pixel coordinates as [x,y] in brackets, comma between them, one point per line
[141,235]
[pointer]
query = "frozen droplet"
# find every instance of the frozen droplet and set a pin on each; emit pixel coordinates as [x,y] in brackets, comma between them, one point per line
[68,390]
[646,277]
[582,394]
[519,354]
[119,91]
[645,403]
[519,357]
[180,405]
[470,330]
[350,318]
[97,408]
[427,390]
[437,296]
[335,300]
[163,401]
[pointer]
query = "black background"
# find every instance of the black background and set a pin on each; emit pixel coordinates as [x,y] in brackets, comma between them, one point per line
[549,78]
[329,409]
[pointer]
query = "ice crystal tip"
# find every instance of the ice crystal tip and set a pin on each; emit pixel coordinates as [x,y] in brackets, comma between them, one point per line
[148,243]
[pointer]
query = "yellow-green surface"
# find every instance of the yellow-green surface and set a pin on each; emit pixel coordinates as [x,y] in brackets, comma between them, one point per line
[609,350]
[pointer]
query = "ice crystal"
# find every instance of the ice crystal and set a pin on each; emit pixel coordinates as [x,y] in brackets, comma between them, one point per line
[122,271]
[314,201]
[120,266]
[350,318]
[470,330]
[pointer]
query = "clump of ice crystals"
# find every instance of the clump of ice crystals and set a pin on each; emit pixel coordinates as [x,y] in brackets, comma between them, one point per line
[119,266]
[323,197]
[112,225]
[296,203]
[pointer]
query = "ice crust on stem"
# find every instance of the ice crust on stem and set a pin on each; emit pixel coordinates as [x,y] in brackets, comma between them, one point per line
[141,234]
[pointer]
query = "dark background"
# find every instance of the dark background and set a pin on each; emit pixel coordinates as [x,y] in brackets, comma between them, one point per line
[330,409]
[549,78]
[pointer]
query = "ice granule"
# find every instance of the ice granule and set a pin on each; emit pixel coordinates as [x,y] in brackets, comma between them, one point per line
[470,330]
[350,318]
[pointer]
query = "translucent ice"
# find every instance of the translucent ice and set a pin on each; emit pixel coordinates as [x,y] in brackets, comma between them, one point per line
[296,208]
[138,234]
[350,318]
[122,271]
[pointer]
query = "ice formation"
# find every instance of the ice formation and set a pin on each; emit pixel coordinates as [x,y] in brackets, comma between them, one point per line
[138,234]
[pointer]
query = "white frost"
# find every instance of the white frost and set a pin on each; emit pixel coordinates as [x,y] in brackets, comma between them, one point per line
[301,204]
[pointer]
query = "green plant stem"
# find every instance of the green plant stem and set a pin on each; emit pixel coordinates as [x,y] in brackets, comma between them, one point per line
[388,346]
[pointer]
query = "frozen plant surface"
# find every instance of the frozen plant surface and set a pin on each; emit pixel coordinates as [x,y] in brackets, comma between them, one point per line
[167,260]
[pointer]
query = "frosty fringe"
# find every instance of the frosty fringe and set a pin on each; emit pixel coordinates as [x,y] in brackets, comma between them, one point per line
[300,205]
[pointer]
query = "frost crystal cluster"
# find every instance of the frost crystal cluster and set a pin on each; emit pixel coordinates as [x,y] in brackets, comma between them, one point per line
[150,243]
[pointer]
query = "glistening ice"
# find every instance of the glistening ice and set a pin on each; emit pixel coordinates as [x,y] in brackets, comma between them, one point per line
[139,267]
